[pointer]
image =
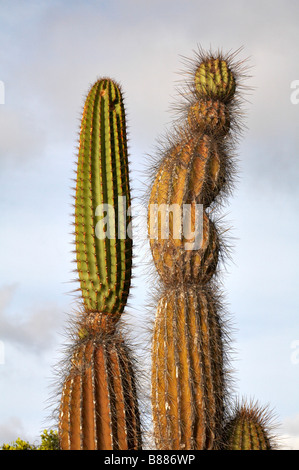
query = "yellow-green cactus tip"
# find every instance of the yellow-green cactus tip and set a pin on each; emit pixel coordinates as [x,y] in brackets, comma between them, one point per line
[251,428]
[214,79]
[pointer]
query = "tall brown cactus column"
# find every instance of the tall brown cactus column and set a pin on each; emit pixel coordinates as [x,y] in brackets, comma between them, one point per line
[99,406]
[188,347]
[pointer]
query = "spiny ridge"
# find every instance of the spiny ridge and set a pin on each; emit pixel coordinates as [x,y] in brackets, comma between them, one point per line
[187,370]
[98,408]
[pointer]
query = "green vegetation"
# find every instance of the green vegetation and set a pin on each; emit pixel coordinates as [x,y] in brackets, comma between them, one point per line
[49,441]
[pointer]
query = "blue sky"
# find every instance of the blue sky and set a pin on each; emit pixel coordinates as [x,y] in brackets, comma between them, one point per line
[51,52]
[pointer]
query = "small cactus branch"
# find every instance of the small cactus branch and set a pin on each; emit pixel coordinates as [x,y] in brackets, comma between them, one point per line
[249,428]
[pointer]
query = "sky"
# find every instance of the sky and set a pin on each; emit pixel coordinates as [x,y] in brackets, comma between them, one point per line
[51,53]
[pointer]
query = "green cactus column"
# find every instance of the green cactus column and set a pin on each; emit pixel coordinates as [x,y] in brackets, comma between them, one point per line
[99,406]
[103,258]
[248,429]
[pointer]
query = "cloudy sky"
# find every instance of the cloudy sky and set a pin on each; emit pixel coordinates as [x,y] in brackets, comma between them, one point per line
[51,52]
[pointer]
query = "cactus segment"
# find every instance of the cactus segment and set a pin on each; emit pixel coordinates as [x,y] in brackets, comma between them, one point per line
[194,170]
[103,249]
[210,117]
[214,79]
[176,263]
[190,175]
[98,407]
[187,370]
[248,429]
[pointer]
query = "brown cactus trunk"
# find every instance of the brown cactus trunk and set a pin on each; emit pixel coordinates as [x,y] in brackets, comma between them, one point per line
[99,409]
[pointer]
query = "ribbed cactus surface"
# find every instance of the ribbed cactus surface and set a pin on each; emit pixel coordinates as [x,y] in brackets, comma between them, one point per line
[103,250]
[99,406]
[187,380]
[189,371]
[215,79]
[188,177]
[248,430]
[196,170]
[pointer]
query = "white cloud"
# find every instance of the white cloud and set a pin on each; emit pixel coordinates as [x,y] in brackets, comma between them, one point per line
[11,429]
[290,433]
[289,442]
[34,331]
[21,137]
[291,425]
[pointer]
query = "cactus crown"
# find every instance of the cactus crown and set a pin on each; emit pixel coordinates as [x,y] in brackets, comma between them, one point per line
[214,79]
[249,429]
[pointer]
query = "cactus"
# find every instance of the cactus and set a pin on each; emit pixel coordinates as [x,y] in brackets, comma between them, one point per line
[190,378]
[249,429]
[99,407]
[187,380]
[104,262]
[214,79]
[189,385]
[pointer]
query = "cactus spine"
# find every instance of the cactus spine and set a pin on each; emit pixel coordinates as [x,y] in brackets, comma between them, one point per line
[99,408]
[188,370]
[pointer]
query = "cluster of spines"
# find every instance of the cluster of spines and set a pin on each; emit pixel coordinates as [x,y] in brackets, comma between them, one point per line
[188,371]
[99,406]
[249,428]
